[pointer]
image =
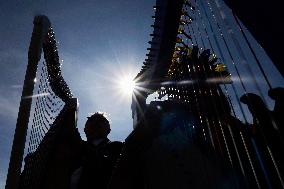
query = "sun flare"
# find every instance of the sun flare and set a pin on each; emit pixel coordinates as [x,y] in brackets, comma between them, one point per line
[126,85]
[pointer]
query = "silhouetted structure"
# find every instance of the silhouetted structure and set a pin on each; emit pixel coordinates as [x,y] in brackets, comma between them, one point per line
[263,26]
[205,97]
[196,133]
[53,113]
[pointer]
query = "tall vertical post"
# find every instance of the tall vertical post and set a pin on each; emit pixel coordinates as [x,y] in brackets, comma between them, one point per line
[138,105]
[41,25]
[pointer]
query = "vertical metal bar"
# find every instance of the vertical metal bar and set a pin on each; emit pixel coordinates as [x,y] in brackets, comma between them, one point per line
[41,24]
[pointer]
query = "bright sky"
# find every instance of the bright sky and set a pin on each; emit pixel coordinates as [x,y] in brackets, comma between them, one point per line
[99,41]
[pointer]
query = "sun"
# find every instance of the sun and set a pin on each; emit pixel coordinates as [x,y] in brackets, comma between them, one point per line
[122,80]
[126,85]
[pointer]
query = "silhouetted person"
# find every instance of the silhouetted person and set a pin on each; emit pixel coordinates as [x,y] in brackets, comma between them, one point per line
[267,127]
[97,155]
[267,122]
[277,94]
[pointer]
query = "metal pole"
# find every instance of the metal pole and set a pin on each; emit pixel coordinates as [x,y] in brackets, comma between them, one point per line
[41,25]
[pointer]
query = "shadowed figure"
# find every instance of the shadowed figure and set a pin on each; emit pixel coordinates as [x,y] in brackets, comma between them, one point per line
[97,156]
[277,94]
[266,121]
[267,130]
[64,161]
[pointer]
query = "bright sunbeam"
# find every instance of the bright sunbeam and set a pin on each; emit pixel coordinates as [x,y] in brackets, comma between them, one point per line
[126,85]
[118,80]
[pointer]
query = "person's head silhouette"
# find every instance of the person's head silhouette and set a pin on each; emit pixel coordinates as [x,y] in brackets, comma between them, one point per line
[97,127]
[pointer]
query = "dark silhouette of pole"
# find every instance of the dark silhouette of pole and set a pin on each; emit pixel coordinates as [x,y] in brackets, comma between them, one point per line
[41,25]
